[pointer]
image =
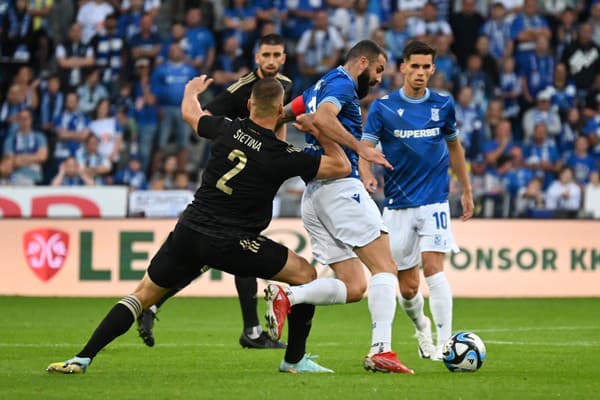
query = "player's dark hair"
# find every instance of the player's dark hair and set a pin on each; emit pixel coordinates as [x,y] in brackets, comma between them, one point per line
[272,39]
[365,48]
[417,47]
[266,97]
[266,88]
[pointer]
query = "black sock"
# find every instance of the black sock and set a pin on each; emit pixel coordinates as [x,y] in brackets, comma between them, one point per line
[299,324]
[118,321]
[246,288]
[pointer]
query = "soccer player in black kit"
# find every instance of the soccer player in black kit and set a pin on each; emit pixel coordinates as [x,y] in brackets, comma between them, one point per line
[221,227]
[232,103]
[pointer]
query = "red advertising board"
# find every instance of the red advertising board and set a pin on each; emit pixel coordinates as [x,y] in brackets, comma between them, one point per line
[63,202]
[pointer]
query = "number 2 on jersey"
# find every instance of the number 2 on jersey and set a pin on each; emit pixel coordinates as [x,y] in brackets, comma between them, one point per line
[237,168]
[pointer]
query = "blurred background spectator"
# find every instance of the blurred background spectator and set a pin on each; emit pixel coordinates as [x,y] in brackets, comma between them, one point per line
[91,16]
[107,129]
[28,150]
[72,57]
[109,50]
[102,80]
[70,173]
[91,92]
[132,175]
[355,23]
[71,128]
[230,65]
[95,165]
[530,198]
[564,195]
[168,82]
[201,41]
[240,21]
[319,50]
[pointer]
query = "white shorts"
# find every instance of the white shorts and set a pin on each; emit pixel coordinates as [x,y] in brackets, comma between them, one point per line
[339,215]
[419,229]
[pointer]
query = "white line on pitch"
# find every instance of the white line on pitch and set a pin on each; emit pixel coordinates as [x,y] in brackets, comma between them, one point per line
[321,344]
[140,345]
[555,344]
[536,328]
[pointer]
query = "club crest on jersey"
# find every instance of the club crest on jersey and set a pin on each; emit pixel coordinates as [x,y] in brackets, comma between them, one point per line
[45,251]
[435,114]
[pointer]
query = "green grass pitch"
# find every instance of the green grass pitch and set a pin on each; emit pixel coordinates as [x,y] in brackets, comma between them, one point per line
[537,349]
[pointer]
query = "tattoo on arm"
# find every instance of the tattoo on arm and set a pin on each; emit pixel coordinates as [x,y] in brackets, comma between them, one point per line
[288,116]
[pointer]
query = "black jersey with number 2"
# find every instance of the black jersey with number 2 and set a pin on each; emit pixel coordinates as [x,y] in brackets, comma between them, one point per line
[247,166]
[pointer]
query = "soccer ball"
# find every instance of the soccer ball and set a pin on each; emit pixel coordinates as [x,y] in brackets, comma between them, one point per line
[464,352]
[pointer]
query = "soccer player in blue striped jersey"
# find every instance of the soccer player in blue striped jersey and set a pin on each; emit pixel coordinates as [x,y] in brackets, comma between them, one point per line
[344,223]
[417,131]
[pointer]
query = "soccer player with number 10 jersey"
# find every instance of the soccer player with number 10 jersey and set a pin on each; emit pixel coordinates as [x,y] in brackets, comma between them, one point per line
[417,131]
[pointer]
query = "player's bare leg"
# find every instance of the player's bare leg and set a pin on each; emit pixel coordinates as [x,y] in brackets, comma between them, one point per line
[297,271]
[118,321]
[378,259]
[412,302]
[352,273]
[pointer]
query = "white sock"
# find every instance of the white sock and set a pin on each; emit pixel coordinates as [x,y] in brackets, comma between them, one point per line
[321,292]
[382,306]
[440,304]
[414,309]
[254,332]
[81,360]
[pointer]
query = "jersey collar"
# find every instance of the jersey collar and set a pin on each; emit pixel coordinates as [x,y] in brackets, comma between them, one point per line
[412,99]
[259,129]
[345,72]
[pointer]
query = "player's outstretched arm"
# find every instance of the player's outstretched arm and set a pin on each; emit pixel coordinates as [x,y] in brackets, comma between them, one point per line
[334,163]
[365,169]
[459,166]
[327,122]
[191,109]
[290,110]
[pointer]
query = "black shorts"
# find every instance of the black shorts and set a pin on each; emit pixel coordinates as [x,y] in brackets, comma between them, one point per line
[186,251]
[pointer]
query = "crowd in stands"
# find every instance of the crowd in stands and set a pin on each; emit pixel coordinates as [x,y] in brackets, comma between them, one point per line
[90,89]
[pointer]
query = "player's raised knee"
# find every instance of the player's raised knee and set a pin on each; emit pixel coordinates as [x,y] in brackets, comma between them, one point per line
[306,275]
[355,291]
[298,270]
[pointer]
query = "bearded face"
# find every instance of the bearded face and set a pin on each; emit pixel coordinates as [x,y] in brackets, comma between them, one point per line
[270,59]
[364,83]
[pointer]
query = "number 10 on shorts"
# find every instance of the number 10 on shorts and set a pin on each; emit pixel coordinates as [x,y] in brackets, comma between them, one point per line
[441,220]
